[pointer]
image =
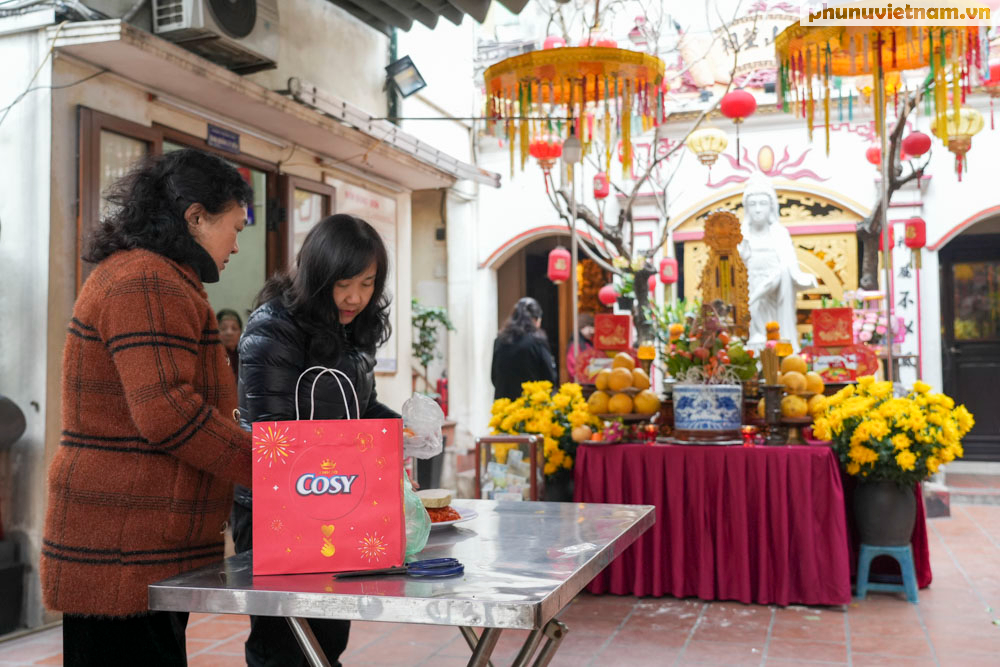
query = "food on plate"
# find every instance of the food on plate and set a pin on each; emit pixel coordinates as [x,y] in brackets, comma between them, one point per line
[814,383]
[795,382]
[623,360]
[434,498]
[647,402]
[581,433]
[817,405]
[598,402]
[621,378]
[794,406]
[438,505]
[440,514]
[639,379]
[793,362]
[602,377]
[620,404]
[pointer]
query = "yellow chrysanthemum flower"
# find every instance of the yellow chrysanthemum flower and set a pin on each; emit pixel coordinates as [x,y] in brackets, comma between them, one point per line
[921,387]
[901,441]
[906,460]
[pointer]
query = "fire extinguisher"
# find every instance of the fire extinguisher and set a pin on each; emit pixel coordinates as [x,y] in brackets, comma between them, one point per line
[442,391]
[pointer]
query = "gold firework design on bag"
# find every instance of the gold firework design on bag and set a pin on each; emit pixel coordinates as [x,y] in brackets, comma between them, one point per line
[372,547]
[272,445]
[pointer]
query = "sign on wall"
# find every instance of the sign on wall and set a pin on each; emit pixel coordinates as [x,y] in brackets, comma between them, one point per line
[380,212]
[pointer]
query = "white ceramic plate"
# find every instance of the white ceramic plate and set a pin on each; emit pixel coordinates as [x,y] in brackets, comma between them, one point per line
[463,512]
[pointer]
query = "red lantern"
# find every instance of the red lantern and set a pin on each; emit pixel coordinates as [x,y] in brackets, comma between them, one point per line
[916,144]
[546,149]
[874,155]
[737,104]
[916,233]
[916,238]
[668,270]
[892,238]
[652,284]
[607,295]
[553,42]
[559,264]
[601,186]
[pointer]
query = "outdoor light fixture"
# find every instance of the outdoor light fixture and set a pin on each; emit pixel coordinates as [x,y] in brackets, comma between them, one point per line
[405,76]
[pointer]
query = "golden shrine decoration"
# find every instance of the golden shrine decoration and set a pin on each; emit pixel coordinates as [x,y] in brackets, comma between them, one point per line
[724,276]
[809,58]
[831,256]
[588,91]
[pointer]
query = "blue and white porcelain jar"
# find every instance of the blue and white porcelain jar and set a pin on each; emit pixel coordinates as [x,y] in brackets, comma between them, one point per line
[708,412]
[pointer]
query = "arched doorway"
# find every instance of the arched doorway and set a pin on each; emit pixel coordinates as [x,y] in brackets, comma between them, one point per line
[970,314]
[521,266]
[524,274]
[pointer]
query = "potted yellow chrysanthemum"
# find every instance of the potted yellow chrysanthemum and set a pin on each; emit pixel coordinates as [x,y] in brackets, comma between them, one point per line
[890,443]
[553,416]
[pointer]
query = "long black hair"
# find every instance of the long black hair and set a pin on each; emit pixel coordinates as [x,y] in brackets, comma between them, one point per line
[337,248]
[522,321]
[148,203]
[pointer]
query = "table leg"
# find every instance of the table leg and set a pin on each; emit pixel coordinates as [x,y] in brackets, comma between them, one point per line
[529,647]
[307,640]
[484,647]
[471,639]
[556,631]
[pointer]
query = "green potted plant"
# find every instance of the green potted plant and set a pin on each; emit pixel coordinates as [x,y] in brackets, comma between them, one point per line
[428,321]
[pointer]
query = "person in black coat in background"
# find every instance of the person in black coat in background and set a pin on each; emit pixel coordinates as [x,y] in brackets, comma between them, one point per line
[332,311]
[521,351]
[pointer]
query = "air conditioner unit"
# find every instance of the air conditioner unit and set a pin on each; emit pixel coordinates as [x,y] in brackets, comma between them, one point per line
[241,35]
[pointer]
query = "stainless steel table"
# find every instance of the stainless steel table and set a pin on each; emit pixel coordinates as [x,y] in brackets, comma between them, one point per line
[524,562]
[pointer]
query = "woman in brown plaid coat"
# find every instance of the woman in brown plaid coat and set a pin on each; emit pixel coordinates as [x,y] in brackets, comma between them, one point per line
[142,482]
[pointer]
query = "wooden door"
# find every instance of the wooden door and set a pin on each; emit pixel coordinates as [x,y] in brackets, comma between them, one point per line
[970,305]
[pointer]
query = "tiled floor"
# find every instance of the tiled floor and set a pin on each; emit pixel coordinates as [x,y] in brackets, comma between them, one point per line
[956,623]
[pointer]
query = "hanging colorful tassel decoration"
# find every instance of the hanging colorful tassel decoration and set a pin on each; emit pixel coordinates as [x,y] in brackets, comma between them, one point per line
[626,123]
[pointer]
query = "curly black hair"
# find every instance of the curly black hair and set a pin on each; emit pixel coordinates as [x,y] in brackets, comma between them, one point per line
[148,204]
[522,321]
[339,247]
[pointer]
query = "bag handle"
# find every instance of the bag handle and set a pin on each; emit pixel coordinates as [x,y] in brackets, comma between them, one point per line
[312,393]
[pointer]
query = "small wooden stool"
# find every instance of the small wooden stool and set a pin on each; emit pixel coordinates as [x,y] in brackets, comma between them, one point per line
[903,556]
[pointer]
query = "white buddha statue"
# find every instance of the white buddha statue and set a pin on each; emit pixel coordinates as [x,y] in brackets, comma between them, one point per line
[772,267]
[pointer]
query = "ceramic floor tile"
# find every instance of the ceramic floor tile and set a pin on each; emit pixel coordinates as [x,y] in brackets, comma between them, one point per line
[217,660]
[909,646]
[721,653]
[217,630]
[807,650]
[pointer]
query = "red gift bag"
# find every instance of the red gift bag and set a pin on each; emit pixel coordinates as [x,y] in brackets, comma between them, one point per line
[327,494]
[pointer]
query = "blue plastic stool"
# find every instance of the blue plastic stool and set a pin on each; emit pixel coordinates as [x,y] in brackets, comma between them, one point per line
[903,556]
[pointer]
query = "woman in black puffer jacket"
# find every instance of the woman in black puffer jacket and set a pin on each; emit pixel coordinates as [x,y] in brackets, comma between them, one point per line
[331,312]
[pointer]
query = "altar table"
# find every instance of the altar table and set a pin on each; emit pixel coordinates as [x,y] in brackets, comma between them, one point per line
[754,524]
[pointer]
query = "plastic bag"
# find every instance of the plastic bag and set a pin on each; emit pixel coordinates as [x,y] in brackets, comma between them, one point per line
[422,418]
[418,521]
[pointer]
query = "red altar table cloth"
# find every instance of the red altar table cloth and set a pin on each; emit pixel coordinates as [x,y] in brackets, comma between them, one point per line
[761,524]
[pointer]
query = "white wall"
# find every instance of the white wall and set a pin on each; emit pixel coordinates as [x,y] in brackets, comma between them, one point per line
[25,142]
[327,46]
